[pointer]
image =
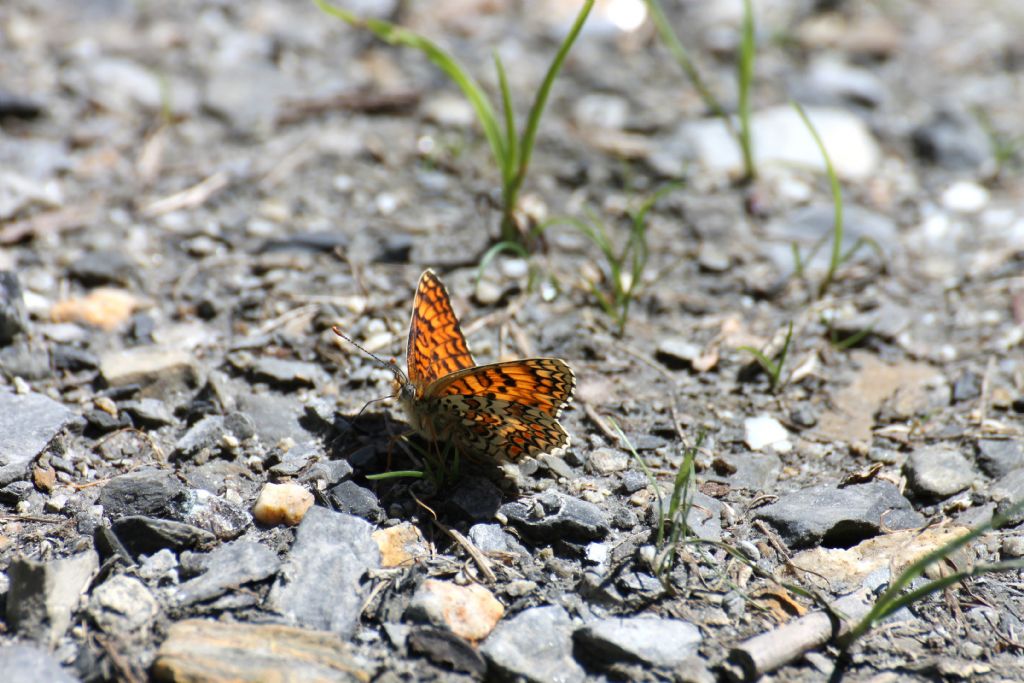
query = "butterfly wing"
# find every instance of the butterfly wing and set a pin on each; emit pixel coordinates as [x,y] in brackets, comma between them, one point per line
[500,429]
[437,346]
[544,384]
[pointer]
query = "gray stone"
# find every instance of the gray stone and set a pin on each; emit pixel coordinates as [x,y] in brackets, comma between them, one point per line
[160,371]
[142,535]
[102,268]
[1008,493]
[151,413]
[26,358]
[634,480]
[24,663]
[228,568]
[747,470]
[329,472]
[351,498]
[839,517]
[28,423]
[492,538]
[320,585]
[967,387]
[16,491]
[297,458]
[477,498]
[287,374]
[275,417]
[677,353]
[124,607]
[221,517]
[13,315]
[938,471]
[553,516]
[953,139]
[649,640]
[999,457]
[210,436]
[43,595]
[143,492]
[607,461]
[536,646]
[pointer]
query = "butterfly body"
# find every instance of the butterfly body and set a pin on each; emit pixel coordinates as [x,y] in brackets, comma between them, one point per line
[500,410]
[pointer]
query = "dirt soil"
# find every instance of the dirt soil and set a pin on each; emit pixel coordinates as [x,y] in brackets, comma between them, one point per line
[192,194]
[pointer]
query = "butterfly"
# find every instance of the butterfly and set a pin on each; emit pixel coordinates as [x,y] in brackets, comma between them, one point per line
[502,411]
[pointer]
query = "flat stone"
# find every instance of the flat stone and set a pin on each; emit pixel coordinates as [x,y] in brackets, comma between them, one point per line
[217,652]
[154,368]
[999,457]
[151,413]
[42,595]
[445,648]
[320,585]
[607,461]
[25,663]
[221,517]
[275,417]
[287,374]
[103,268]
[477,498]
[470,612]
[228,568]
[552,516]
[28,423]
[938,471]
[357,500]
[123,606]
[146,535]
[839,517]
[491,538]
[954,140]
[763,431]
[143,492]
[535,645]
[649,640]
[1008,492]
[781,138]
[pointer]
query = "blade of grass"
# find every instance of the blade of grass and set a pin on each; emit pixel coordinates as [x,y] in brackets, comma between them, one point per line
[837,202]
[745,78]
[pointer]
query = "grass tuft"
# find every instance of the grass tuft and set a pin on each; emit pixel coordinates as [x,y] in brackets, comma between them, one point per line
[511,151]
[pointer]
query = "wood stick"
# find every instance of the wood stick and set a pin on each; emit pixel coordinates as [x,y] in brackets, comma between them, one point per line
[769,651]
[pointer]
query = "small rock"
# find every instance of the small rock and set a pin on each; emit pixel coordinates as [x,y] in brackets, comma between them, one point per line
[470,612]
[784,140]
[297,458]
[652,641]
[491,538]
[143,492]
[28,423]
[676,353]
[320,584]
[967,387]
[763,431]
[149,413]
[282,504]
[146,535]
[286,374]
[221,517]
[1008,492]
[103,268]
[999,457]
[227,568]
[354,499]
[633,481]
[534,645]
[13,315]
[400,545]
[213,435]
[105,307]
[26,359]
[938,471]
[45,478]
[207,650]
[839,517]
[553,516]
[445,648]
[15,492]
[327,472]
[965,197]
[275,417]
[477,498]
[600,110]
[26,663]
[160,370]
[954,140]
[607,461]
[42,595]
[124,607]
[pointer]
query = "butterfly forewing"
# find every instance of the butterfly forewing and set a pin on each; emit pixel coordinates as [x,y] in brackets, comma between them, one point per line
[501,429]
[437,346]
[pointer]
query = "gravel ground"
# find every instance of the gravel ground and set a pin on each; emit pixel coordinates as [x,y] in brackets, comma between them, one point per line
[192,194]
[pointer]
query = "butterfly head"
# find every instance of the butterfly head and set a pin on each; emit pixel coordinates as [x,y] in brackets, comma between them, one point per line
[401,383]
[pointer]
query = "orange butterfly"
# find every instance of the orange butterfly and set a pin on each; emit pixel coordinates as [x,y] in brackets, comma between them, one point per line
[501,410]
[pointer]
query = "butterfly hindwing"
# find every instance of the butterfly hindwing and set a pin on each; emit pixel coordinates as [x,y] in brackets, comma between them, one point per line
[546,384]
[499,429]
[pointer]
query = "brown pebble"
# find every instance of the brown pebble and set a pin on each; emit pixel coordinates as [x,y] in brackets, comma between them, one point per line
[45,478]
[282,504]
[400,545]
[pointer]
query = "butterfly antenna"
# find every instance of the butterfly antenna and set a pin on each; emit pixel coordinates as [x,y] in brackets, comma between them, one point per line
[390,365]
[372,400]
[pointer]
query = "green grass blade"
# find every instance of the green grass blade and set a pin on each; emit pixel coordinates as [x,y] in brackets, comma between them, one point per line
[837,202]
[396,35]
[540,100]
[492,253]
[395,474]
[508,169]
[745,67]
